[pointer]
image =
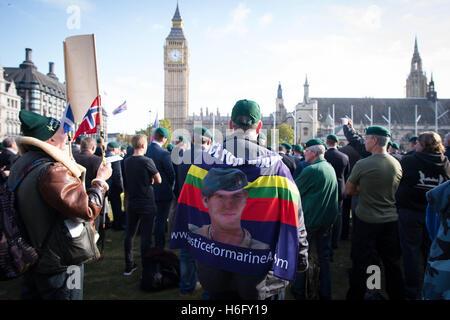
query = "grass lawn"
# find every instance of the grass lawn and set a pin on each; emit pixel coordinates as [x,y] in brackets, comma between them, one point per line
[104,280]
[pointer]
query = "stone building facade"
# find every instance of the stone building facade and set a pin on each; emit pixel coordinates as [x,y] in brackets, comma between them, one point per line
[9,108]
[40,93]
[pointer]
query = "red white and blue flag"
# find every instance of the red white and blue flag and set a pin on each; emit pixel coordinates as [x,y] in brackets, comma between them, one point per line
[90,120]
[120,108]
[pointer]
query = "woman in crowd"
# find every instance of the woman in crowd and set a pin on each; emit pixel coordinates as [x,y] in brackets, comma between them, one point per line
[423,170]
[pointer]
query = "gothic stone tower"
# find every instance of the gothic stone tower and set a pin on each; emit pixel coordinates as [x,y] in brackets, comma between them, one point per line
[176,74]
[416,84]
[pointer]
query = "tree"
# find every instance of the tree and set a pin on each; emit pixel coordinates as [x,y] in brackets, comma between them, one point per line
[285,134]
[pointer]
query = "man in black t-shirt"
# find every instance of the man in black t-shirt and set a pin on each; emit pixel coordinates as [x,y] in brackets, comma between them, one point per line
[141,174]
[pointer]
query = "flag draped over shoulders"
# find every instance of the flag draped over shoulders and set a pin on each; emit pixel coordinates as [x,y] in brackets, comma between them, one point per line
[270,216]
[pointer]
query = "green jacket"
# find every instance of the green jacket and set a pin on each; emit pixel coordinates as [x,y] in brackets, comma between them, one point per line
[319,193]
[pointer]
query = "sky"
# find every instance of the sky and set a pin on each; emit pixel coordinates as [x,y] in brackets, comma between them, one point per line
[238,49]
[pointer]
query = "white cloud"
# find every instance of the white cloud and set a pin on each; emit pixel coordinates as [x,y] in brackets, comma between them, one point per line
[266,19]
[86,5]
[238,22]
[366,19]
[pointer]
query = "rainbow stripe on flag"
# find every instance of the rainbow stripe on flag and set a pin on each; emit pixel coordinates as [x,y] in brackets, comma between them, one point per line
[271,217]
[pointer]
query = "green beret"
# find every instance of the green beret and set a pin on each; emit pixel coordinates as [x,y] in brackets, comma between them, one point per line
[298,148]
[182,138]
[223,179]
[413,139]
[269,148]
[123,148]
[113,145]
[203,132]
[395,145]
[246,108]
[314,142]
[378,131]
[287,145]
[163,131]
[99,140]
[390,143]
[332,137]
[170,147]
[37,126]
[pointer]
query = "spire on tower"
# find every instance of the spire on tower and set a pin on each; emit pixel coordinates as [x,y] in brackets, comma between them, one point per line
[177,15]
[280,91]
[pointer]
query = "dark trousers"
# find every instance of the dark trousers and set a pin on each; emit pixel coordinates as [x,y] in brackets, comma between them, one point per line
[138,217]
[116,206]
[337,228]
[161,226]
[371,241]
[66,285]
[322,238]
[346,208]
[415,242]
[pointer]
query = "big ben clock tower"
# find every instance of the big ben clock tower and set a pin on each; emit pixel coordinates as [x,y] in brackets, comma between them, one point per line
[176,74]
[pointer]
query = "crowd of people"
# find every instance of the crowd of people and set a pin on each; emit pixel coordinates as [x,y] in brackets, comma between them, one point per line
[393,206]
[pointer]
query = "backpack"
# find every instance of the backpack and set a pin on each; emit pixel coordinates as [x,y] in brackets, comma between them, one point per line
[16,254]
[161,270]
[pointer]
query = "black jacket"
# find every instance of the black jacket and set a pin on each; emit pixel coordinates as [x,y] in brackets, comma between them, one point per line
[115,182]
[161,158]
[91,162]
[356,141]
[289,161]
[422,172]
[341,165]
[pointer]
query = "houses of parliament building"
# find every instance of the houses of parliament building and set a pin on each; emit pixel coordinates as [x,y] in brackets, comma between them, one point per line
[419,111]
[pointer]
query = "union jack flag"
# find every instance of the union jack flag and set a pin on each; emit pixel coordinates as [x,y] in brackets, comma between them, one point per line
[120,108]
[90,120]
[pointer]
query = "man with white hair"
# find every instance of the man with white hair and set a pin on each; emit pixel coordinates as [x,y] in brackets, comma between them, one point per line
[447,145]
[319,193]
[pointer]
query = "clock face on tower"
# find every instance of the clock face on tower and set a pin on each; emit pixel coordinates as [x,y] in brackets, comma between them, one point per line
[175,55]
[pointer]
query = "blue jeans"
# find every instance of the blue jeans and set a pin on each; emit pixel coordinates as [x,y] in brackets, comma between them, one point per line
[134,218]
[322,239]
[188,271]
[66,285]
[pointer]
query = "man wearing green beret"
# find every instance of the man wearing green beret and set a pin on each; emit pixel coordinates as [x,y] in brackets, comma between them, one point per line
[298,153]
[116,187]
[394,150]
[180,145]
[164,191]
[239,147]
[285,153]
[412,145]
[375,180]
[224,195]
[53,189]
[319,192]
[262,139]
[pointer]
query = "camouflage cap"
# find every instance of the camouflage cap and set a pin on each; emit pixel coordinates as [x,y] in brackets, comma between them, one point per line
[223,179]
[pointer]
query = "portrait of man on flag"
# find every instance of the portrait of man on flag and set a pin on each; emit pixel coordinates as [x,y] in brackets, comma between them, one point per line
[239,209]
